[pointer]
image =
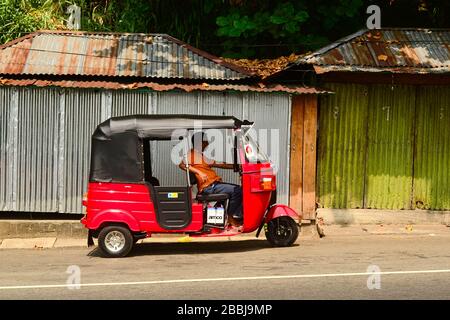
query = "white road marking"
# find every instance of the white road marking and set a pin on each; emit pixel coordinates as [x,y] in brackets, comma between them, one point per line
[296,276]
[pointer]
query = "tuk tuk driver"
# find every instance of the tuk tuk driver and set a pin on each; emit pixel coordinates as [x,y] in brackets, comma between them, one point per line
[209,182]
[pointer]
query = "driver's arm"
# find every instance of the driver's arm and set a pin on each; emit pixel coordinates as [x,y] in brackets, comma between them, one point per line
[214,164]
[203,176]
[223,165]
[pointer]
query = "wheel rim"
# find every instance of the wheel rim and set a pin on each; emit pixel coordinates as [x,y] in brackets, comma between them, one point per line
[115,241]
[281,230]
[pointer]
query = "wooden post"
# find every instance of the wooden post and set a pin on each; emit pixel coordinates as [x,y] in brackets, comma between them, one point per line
[309,157]
[296,161]
[303,155]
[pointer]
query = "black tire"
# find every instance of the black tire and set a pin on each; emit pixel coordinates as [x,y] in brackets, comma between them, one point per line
[123,249]
[282,232]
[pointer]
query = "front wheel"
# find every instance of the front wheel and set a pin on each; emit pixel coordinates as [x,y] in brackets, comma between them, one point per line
[282,231]
[115,241]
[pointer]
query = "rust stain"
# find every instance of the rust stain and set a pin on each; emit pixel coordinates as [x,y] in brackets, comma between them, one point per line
[140,58]
[97,53]
[395,50]
[112,61]
[410,55]
[62,57]
[294,89]
[87,59]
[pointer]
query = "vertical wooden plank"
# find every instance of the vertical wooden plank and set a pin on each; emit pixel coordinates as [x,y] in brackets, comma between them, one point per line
[296,161]
[309,157]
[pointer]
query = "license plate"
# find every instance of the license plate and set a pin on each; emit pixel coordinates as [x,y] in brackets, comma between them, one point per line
[215,216]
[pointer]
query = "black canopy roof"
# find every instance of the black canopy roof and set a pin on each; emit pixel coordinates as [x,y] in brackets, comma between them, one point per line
[162,126]
[117,143]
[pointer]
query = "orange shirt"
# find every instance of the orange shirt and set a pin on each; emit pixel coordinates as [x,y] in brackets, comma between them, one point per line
[198,161]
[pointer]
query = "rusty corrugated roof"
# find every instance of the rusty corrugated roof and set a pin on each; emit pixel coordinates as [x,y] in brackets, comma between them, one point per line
[259,87]
[392,50]
[112,55]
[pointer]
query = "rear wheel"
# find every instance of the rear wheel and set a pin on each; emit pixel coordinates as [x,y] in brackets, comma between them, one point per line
[282,231]
[115,241]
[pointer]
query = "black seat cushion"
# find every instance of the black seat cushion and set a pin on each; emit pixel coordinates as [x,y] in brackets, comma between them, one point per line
[212,197]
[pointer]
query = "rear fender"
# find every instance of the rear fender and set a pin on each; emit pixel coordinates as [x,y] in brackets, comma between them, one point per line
[114,216]
[281,210]
[278,210]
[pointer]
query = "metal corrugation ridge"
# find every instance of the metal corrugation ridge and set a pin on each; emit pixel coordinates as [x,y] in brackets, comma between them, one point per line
[37,160]
[341,150]
[81,112]
[112,54]
[432,153]
[5,146]
[390,147]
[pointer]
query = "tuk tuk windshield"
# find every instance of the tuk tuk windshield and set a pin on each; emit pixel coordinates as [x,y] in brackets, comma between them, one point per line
[253,152]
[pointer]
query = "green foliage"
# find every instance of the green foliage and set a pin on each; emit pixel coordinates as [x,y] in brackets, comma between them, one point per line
[284,20]
[18,17]
[234,28]
[296,25]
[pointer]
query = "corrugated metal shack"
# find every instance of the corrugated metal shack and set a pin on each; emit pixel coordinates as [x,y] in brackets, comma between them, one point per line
[384,137]
[55,87]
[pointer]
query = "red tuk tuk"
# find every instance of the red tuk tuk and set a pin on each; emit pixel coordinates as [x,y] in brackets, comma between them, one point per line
[125,203]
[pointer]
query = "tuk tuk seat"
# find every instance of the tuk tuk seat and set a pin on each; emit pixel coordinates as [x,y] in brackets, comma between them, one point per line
[213,197]
[216,197]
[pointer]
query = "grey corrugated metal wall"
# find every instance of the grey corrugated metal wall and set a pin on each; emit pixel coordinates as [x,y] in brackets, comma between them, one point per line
[45,138]
[5,100]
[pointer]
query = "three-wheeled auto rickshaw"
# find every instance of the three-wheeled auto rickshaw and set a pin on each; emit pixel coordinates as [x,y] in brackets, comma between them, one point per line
[125,203]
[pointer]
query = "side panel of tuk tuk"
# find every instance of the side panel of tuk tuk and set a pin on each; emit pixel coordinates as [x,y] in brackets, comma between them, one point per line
[255,199]
[130,204]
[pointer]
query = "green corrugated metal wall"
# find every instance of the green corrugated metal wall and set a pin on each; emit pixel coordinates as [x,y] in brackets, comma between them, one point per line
[341,150]
[432,156]
[384,148]
[390,147]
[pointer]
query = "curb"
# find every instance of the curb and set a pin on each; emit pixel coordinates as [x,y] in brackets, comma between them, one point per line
[385,217]
[42,229]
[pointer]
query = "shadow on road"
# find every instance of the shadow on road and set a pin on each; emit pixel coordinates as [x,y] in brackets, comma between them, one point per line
[159,248]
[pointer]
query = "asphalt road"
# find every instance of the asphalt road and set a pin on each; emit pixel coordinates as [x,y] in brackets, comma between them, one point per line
[410,267]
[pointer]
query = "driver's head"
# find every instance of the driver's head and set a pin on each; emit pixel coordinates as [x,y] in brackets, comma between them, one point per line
[199,141]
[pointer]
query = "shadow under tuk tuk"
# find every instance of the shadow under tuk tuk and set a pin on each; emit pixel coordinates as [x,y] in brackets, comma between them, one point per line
[180,248]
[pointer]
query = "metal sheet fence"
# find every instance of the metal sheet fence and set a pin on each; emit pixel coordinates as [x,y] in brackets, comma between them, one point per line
[390,142]
[45,138]
[341,147]
[37,151]
[432,164]
[384,147]
[5,128]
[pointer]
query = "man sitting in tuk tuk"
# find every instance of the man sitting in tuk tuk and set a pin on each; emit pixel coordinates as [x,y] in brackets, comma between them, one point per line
[209,182]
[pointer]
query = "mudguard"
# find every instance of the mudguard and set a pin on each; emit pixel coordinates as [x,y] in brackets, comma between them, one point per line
[279,210]
[117,216]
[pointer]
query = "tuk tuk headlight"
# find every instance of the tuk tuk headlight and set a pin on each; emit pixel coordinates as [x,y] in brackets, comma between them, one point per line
[85,199]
